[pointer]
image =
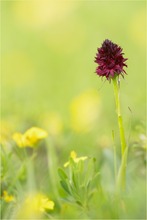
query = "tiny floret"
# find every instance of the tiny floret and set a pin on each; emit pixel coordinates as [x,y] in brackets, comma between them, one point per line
[110,60]
[74,157]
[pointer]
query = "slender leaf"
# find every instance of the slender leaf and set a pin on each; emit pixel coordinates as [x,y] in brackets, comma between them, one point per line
[65,186]
[62,174]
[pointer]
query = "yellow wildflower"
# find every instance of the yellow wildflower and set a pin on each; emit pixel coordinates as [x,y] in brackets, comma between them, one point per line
[34,134]
[39,202]
[20,139]
[31,137]
[34,206]
[76,159]
[7,197]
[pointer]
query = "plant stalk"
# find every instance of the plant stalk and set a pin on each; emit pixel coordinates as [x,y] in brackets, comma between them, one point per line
[121,179]
[120,120]
[114,156]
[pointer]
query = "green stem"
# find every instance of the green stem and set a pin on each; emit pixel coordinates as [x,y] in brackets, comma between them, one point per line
[115,160]
[52,167]
[120,120]
[30,171]
[121,179]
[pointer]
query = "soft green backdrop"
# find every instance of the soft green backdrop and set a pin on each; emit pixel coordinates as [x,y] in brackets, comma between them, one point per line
[47,54]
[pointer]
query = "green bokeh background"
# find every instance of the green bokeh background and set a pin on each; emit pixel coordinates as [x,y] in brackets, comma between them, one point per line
[48,50]
[47,63]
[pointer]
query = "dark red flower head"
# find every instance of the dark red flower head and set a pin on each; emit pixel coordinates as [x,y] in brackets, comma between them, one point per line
[110,60]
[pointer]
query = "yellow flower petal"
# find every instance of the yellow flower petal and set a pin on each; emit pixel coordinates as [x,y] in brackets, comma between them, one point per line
[73,154]
[76,159]
[34,134]
[39,202]
[66,164]
[46,204]
[31,137]
[20,140]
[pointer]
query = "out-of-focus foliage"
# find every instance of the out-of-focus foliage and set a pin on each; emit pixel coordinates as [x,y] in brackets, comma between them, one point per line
[47,54]
[49,82]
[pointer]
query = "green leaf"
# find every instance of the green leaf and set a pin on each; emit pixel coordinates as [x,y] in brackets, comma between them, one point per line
[89,171]
[74,179]
[74,193]
[95,180]
[65,186]
[79,203]
[72,163]
[62,174]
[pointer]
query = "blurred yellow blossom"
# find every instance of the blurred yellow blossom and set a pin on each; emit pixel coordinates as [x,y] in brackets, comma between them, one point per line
[52,121]
[39,14]
[76,159]
[34,205]
[39,202]
[20,140]
[31,137]
[137,26]
[85,111]
[7,197]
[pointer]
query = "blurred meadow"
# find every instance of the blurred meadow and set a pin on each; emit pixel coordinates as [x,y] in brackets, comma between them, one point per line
[49,81]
